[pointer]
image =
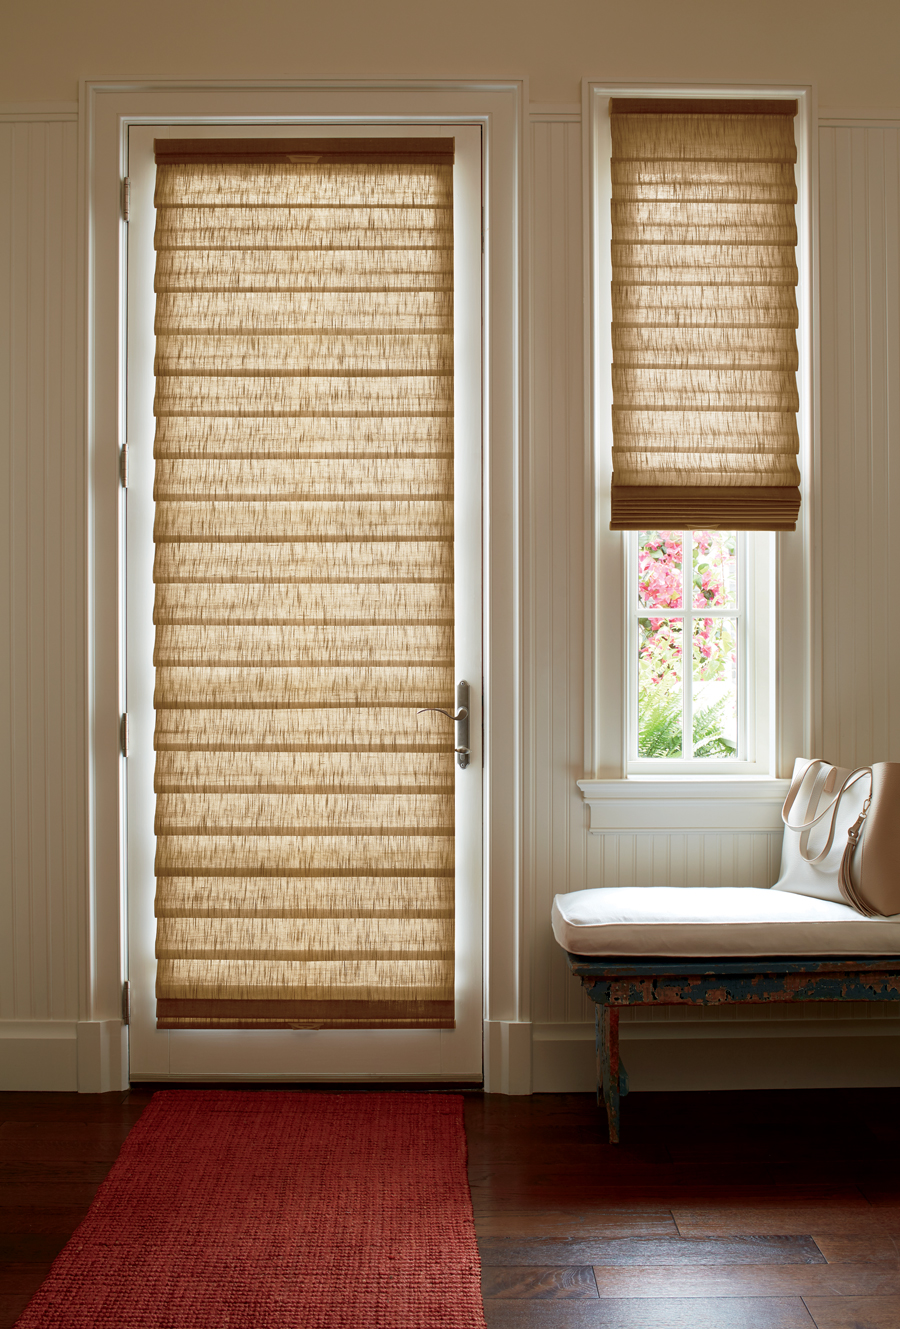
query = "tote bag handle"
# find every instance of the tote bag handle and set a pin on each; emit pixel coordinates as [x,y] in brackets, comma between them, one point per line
[820,783]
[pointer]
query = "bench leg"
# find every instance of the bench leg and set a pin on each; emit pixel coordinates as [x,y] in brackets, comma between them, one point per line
[612,1082]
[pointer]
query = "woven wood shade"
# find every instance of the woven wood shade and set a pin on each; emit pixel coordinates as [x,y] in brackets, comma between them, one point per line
[704,315]
[304,589]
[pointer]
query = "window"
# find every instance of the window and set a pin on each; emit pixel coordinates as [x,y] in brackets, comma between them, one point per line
[722,714]
[698,643]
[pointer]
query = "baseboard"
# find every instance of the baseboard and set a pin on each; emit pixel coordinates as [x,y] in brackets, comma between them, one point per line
[91,1056]
[749,1054]
[507,1056]
[74,1056]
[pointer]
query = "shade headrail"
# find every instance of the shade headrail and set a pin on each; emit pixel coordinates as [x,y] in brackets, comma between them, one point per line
[312,151]
[701,106]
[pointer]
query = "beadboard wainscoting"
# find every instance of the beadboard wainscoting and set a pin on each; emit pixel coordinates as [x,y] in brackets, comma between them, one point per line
[49,1038]
[859,479]
[51,1035]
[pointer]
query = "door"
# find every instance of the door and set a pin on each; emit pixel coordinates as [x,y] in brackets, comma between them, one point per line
[306,1052]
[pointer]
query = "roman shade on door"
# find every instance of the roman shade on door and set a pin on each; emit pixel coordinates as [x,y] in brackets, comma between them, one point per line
[304,583]
[704,315]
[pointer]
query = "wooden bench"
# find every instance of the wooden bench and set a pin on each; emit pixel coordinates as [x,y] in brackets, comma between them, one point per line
[646,981]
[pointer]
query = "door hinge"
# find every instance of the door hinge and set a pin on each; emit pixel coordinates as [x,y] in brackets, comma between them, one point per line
[126,1002]
[123,735]
[126,199]
[123,465]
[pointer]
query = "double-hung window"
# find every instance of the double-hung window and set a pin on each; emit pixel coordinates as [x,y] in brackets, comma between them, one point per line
[701,355]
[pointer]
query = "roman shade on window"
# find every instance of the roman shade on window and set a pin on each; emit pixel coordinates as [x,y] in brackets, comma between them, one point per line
[704,315]
[304,583]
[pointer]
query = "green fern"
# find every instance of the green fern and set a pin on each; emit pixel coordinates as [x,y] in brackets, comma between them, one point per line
[659,730]
[709,741]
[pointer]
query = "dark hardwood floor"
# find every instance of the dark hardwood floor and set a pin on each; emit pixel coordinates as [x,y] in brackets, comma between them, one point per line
[719,1211]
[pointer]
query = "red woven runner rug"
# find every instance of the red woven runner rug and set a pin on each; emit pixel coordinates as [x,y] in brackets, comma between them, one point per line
[260,1210]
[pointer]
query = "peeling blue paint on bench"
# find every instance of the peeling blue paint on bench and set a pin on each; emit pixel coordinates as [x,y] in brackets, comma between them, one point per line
[612,984]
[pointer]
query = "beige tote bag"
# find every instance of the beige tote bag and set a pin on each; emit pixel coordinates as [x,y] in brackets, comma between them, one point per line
[843,839]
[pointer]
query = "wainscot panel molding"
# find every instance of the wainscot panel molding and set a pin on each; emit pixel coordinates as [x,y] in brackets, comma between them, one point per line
[860,444]
[39,112]
[554,112]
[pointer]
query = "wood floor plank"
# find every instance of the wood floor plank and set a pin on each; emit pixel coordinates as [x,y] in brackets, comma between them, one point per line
[16,1278]
[661,1251]
[854,1312]
[518,1175]
[652,1313]
[49,1220]
[881,1193]
[11,1307]
[749,1280]
[558,1202]
[577,1225]
[859,1250]
[796,1172]
[775,1144]
[82,1134]
[568,1282]
[52,1152]
[43,1192]
[30,1247]
[790,1219]
[24,1172]
[28,1107]
[598,1194]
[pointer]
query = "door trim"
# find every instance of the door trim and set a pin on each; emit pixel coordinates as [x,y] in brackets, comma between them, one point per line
[107,110]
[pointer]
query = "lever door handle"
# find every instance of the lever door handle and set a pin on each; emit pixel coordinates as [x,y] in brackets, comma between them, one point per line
[461,718]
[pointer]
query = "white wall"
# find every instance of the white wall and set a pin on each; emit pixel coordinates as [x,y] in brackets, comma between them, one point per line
[48,1038]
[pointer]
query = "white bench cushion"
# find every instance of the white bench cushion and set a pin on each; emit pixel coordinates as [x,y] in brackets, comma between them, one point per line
[718,920]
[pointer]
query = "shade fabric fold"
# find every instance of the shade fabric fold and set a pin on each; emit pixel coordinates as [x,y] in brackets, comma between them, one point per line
[704,315]
[303,576]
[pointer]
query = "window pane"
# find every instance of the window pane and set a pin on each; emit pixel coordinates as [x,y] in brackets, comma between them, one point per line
[659,687]
[715,569]
[715,687]
[659,569]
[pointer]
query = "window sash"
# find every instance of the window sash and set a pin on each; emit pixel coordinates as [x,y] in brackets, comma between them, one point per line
[754,613]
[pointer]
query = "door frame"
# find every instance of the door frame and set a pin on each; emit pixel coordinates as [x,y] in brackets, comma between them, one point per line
[325,1054]
[107,110]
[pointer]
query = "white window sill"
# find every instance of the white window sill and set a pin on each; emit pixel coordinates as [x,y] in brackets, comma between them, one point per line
[662,804]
